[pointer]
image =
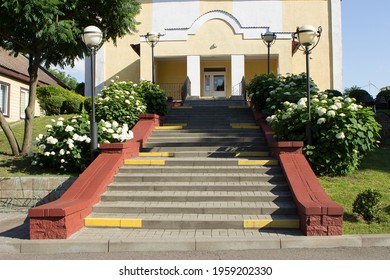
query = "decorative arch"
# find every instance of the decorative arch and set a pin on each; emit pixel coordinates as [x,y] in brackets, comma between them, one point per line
[180,33]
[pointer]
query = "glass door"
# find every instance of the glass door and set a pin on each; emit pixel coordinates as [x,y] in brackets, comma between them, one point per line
[215,84]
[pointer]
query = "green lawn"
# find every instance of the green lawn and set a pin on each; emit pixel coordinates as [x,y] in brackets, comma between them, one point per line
[374,172]
[20,166]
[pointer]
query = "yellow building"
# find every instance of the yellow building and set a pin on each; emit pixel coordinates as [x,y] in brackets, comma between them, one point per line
[215,44]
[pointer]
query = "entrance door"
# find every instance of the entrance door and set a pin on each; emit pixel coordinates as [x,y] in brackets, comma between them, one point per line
[215,84]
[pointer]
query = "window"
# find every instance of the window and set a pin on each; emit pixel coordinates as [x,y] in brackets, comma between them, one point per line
[24,97]
[4,98]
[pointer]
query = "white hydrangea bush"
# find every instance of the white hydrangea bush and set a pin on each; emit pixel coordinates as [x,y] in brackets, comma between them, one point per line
[66,144]
[343,132]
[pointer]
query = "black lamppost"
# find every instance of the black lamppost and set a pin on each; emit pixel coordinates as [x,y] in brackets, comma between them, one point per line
[152,39]
[308,38]
[92,38]
[269,39]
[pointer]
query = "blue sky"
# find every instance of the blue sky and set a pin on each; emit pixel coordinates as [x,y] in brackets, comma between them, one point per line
[366,45]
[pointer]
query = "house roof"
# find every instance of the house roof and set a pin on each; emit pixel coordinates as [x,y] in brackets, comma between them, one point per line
[17,68]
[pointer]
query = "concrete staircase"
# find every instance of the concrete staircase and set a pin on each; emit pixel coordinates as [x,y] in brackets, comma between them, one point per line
[207,167]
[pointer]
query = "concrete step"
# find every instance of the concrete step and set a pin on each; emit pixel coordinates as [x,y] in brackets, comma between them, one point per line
[205,154]
[271,185]
[206,207]
[236,149]
[197,177]
[209,161]
[197,196]
[191,221]
[208,133]
[209,139]
[200,169]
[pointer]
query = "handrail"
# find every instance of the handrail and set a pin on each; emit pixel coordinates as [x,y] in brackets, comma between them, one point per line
[186,89]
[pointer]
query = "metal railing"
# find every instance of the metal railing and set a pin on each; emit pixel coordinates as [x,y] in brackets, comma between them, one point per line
[240,89]
[177,91]
[186,89]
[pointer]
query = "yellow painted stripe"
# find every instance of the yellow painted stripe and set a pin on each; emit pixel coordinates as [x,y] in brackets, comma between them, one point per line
[156,154]
[169,127]
[144,162]
[271,223]
[113,222]
[131,223]
[252,154]
[258,162]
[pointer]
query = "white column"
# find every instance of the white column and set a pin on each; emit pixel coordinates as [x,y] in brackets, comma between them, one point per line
[238,71]
[193,72]
[99,75]
[336,43]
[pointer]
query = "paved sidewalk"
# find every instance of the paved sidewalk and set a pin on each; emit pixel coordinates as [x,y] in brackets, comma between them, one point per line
[14,238]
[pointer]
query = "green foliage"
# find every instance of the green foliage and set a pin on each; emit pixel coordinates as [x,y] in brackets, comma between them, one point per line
[68,80]
[358,93]
[120,102]
[367,205]
[343,132]
[259,89]
[80,88]
[291,89]
[53,104]
[154,97]
[333,92]
[73,103]
[268,93]
[55,100]
[385,93]
[66,144]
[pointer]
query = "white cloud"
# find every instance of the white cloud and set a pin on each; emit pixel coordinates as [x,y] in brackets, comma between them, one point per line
[76,72]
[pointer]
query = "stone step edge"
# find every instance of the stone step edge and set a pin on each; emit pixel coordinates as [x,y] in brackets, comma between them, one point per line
[138,223]
[243,162]
[175,154]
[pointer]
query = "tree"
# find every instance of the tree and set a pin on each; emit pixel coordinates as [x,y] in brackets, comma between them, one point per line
[48,32]
[68,80]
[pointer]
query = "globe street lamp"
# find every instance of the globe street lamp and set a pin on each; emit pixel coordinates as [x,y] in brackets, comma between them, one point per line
[308,38]
[92,38]
[269,39]
[152,39]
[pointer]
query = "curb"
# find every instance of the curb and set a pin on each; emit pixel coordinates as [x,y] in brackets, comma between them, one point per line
[11,246]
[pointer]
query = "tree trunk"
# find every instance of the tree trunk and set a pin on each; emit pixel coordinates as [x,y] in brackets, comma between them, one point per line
[13,142]
[34,62]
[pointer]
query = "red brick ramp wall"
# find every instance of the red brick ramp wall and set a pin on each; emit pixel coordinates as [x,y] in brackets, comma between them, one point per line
[319,215]
[65,216]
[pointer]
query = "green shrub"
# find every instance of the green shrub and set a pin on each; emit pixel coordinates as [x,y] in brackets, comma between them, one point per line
[73,103]
[53,105]
[66,144]
[343,132]
[333,92]
[154,97]
[367,205]
[291,89]
[120,102]
[49,96]
[385,93]
[259,89]
[88,104]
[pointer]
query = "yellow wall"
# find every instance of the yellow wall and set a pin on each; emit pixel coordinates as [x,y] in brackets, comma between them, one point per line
[320,63]
[259,66]
[123,62]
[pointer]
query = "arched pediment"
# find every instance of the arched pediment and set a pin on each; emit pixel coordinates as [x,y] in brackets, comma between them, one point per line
[181,33]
